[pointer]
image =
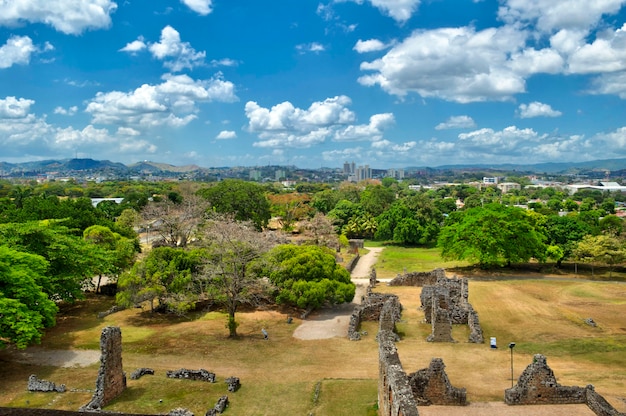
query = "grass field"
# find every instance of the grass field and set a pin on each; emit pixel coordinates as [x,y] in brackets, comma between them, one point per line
[287,376]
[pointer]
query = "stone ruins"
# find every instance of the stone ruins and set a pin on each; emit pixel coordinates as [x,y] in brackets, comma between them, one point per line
[201,374]
[140,372]
[34,384]
[432,386]
[537,385]
[446,303]
[111,380]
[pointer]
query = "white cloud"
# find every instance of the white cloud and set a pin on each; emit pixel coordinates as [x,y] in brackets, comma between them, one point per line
[457,122]
[311,47]
[70,17]
[610,84]
[11,107]
[226,135]
[372,131]
[455,64]
[172,103]
[16,51]
[66,112]
[399,10]
[134,46]
[552,15]
[224,62]
[202,7]
[284,125]
[607,53]
[176,55]
[371,45]
[537,109]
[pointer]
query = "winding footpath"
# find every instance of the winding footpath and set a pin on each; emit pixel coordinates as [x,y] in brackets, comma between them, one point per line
[333,322]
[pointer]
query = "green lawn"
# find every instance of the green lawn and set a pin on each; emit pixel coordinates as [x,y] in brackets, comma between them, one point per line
[394,260]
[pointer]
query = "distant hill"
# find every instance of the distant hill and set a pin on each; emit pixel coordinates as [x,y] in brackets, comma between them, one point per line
[552,168]
[91,166]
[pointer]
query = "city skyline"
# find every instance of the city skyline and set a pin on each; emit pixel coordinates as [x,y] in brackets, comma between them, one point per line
[313,83]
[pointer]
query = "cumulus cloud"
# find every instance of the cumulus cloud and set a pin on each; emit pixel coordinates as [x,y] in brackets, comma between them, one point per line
[202,7]
[11,107]
[16,51]
[537,109]
[372,131]
[70,17]
[134,46]
[172,103]
[455,64]
[226,135]
[607,53]
[177,55]
[371,45]
[66,112]
[456,122]
[399,10]
[614,84]
[285,125]
[553,15]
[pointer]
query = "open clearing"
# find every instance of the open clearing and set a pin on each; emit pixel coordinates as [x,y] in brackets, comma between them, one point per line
[281,376]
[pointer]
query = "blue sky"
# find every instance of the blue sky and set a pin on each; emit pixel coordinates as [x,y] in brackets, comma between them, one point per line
[388,83]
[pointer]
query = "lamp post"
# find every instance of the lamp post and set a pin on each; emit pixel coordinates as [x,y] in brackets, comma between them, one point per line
[511,346]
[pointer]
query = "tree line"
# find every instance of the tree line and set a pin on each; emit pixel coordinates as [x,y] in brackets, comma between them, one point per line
[214,242]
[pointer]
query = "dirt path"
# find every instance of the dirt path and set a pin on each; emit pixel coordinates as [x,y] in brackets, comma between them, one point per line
[55,358]
[333,322]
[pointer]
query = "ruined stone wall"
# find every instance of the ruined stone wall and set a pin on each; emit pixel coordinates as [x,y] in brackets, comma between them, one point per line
[111,380]
[432,386]
[395,397]
[537,385]
[369,310]
[418,278]
[446,303]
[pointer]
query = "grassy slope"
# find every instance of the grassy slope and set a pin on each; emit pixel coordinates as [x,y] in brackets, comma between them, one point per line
[279,376]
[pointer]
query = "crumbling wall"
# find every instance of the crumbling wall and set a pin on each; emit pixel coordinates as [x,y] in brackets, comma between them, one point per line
[395,397]
[451,295]
[111,380]
[35,384]
[441,321]
[369,310]
[537,385]
[432,386]
[418,278]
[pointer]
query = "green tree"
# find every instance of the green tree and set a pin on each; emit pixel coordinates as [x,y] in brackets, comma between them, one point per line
[564,233]
[490,235]
[24,307]
[309,276]
[604,249]
[167,275]
[245,200]
[376,198]
[612,225]
[72,260]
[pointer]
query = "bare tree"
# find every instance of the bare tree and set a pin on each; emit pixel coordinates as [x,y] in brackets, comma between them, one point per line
[176,222]
[321,230]
[233,247]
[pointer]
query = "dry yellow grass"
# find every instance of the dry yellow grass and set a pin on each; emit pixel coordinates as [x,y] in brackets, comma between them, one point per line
[279,376]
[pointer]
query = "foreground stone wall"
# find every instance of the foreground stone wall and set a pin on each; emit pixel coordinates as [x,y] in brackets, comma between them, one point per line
[395,396]
[111,380]
[537,385]
[432,386]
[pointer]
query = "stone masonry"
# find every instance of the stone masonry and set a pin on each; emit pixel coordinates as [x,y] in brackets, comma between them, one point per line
[395,397]
[111,380]
[432,386]
[418,278]
[446,303]
[537,385]
[35,384]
